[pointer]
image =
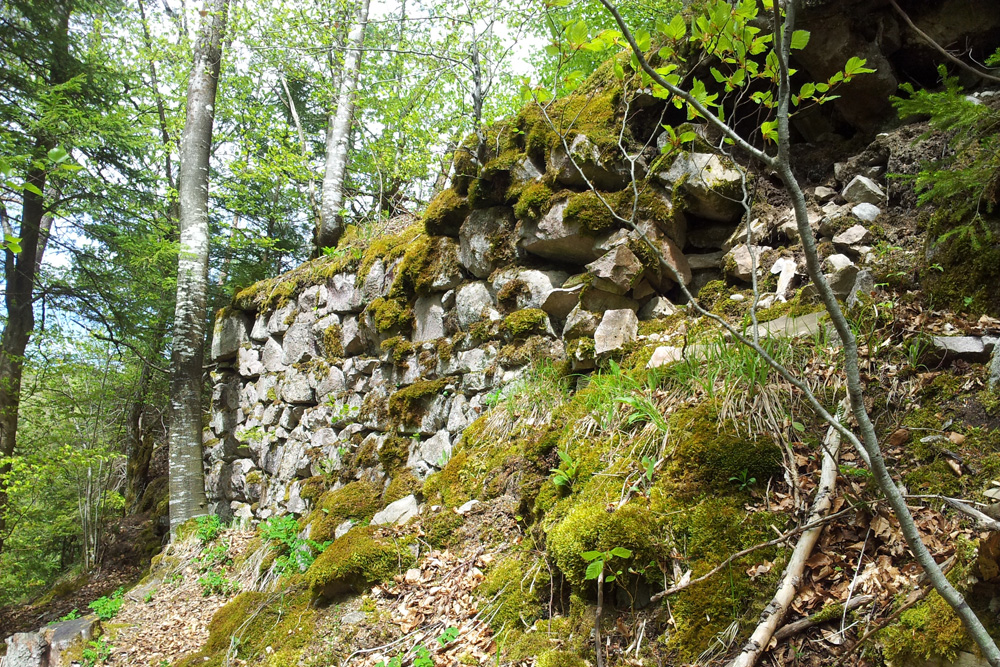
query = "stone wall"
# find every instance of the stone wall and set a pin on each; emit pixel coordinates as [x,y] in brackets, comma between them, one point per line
[369,363]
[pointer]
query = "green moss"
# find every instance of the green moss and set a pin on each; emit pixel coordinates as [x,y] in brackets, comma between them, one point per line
[446,487]
[533,200]
[558,658]
[403,484]
[391,314]
[491,186]
[408,405]
[440,529]
[964,268]
[358,501]
[274,629]
[356,562]
[521,324]
[398,349]
[312,488]
[393,454]
[931,629]
[425,259]
[333,346]
[590,111]
[515,601]
[388,249]
[589,212]
[445,214]
[709,453]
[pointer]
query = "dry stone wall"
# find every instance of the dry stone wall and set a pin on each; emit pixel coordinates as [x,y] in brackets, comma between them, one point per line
[372,371]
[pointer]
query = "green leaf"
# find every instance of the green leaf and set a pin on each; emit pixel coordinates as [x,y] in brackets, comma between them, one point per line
[799,39]
[577,32]
[621,552]
[58,155]
[609,578]
[591,555]
[32,189]
[807,90]
[619,70]
[677,28]
[642,38]
[594,569]
[769,129]
[799,426]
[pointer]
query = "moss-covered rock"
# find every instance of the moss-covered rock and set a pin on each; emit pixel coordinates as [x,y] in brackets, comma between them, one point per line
[445,214]
[525,323]
[357,561]
[408,405]
[392,314]
[514,598]
[358,501]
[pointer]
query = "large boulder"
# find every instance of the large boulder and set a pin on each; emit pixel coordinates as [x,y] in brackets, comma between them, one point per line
[473,303]
[552,237]
[709,186]
[398,512]
[584,162]
[484,243]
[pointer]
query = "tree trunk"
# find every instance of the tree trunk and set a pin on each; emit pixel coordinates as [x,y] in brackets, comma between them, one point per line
[20,272]
[187,480]
[331,225]
[138,450]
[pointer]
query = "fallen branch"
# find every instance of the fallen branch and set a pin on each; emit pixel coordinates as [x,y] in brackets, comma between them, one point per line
[775,611]
[803,624]
[983,519]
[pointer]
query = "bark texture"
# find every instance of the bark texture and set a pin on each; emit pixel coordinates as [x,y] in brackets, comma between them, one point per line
[187,480]
[331,225]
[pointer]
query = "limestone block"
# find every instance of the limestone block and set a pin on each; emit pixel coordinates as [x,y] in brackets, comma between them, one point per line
[584,159]
[481,248]
[617,329]
[231,331]
[552,237]
[617,271]
[710,186]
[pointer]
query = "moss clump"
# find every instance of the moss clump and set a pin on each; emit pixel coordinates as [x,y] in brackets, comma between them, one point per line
[931,629]
[391,314]
[333,346]
[398,349]
[589,526]
[517,601]
[709,453]
[445,214]
[425,260]
[273,629]
[357,501]
[963,265]
[533,201]
[558,658]
[403,484]
[440,528]
[490,188]
[393,454]
[356,562]
[591,111]
[446,487]
[408,405]
[524,323]
[589,212]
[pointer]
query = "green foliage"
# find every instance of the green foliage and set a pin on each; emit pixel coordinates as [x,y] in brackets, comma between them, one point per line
[213,583]
[294,553]
[107,607]
[96,652]
[598,560]
[565,474]
[208,528]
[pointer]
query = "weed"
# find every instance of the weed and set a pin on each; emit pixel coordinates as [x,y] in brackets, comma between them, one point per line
[599,559]
[213,582]
[107,607]
[743,479]
[209,527]
[565,474]
[71,616]
[96,652]
[296,553]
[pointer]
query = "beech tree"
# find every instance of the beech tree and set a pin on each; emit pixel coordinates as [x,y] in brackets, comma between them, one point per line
[187,481]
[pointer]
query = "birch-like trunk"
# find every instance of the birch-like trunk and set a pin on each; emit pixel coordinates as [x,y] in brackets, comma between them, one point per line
[331,225]
[187,480]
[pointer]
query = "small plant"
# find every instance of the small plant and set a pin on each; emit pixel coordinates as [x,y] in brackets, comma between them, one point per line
[422,656]
[71,616]
[208,527]
[449,635]
[296,553]
[96,652]
[148,597]
[213,582]
[215,555]
[107,607]
[599,559]
[743,479]
[566,473]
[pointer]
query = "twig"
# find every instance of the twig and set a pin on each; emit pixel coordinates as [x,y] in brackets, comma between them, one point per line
[792,578]
[982,519]
[940,49]
[803,624]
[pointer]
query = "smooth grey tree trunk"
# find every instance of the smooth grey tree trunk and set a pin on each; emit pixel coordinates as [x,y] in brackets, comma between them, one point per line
[187,479]
[331,225]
